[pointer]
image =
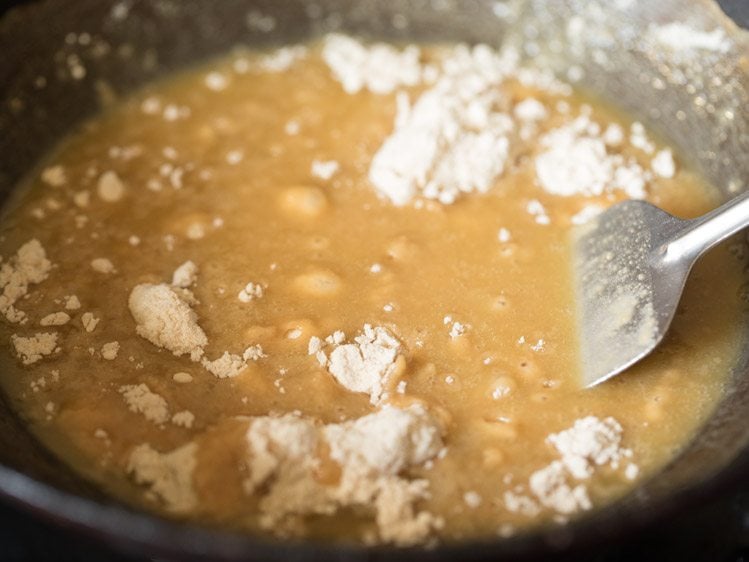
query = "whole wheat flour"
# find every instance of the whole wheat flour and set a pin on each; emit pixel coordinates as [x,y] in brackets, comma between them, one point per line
[589,444]
[576,161]
[168,475]
[166,320]
[29,266]
[32,349]
[372,452]
[455,138]
[366,365]
[55,319]
[141,400]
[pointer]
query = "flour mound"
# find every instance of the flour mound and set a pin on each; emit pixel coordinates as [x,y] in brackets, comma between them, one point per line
[141,400]
[378,68]
[230,365]
[28,267]
[166,320]
[371,454]
[455,138]
[168,475]
[552,490]
[576,161]
[589,444]
[32,349]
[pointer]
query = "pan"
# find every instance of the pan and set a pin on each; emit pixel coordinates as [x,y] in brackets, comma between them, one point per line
[696,98]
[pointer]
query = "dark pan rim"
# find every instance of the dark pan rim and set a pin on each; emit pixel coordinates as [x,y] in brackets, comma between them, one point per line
[139,532]
[127,529]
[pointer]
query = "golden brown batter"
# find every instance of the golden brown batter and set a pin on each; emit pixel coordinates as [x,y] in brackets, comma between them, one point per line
[169,388]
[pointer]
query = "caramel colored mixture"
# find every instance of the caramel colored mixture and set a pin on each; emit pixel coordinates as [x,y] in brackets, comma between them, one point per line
[234,298]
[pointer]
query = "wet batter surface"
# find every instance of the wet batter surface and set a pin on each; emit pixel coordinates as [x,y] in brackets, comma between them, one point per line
[284,295]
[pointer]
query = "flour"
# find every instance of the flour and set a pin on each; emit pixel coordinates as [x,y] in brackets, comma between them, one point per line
[110,187]
[663,164]
[504,235]
[638,137]
[215,81]
[536,209]
[168,475]
[110,350]
[281,59]
[366,365]
[54,176]
[589,444]
[253,353]
[250,292]
[184,419]
[456,137]
[227,366]
[472,499]
[378,68]
[32,349]
[575,161]
[371,453]
[166,320]
[587,213]
[457,329]
[552,490]
[72,302]
[517,502]
[324,169]
[141,400]
[230,365]
[55,319]
[185,275]
[89,321]
[28,267]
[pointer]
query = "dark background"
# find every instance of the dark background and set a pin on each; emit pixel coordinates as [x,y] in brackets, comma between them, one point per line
[718,531]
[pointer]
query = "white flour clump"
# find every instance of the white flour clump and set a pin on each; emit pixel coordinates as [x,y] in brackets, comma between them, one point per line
[163,315]
[589,444]
[110,187]
[550,487]
[455,138]
[185,275]
[230,365]
[279,60]
[141,400]
[378,68]
[169,475]
[166,320]
[366,365]
[55,319]
[28,267]
[663,164]
[32,349]
[250,292]
[371,453]
[576,161]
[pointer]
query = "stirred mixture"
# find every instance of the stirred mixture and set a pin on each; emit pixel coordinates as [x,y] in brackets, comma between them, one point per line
[325,292]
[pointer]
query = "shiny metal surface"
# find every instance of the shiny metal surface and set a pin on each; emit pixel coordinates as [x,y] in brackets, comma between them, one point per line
[630,266]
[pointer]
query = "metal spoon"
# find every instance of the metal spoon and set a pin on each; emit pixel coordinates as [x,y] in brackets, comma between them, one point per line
[630,266]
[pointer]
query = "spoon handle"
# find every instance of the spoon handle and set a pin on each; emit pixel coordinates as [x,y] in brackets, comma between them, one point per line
[701,234]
